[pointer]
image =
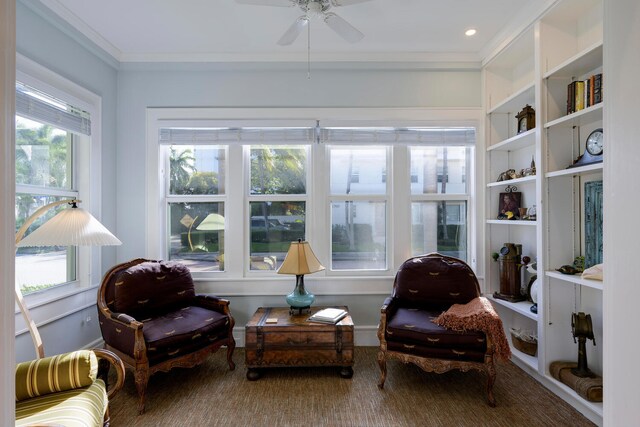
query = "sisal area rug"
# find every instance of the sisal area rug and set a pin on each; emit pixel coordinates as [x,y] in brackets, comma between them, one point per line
[211,395]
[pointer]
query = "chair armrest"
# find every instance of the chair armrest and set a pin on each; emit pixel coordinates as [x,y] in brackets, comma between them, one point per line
[214,303]
[389,306]
[120,331]
[118,366]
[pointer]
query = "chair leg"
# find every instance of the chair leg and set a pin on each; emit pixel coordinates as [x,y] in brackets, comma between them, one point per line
[142,379]
[491,379]
[382,362]
[231,345]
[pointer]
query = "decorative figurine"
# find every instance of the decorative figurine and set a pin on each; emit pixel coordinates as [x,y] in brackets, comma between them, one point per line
[582,329]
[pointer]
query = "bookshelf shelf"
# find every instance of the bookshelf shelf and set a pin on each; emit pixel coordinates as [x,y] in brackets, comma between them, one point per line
[517,142]
[581,170]
[589,59]
[531,178]
[515,102]
[577,280]
[579,118]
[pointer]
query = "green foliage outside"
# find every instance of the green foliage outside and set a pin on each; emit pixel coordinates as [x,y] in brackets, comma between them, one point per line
[43,158]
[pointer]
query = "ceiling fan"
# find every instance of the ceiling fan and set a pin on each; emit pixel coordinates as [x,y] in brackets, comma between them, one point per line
[312,9]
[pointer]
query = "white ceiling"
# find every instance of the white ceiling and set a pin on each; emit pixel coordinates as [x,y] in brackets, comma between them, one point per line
[223,30]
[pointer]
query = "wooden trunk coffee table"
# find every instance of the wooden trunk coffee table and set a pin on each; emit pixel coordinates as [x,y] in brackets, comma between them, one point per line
[293,341]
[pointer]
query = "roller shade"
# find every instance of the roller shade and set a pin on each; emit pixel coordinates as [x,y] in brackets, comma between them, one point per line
[455,136]
[393,135]
[242,135]
[35,105]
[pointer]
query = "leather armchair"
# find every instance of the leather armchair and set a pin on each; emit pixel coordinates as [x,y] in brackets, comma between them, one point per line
[423,288]
[151,317]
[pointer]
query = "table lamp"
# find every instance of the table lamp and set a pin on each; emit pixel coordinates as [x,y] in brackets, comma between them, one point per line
[69,227]
[300,260]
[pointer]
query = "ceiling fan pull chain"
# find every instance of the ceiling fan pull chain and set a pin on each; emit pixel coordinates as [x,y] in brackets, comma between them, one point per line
[308,49]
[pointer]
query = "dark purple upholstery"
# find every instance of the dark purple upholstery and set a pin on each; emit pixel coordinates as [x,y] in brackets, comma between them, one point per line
[183,331]
[152,319]
[151,288]
[434,280]
[423,288]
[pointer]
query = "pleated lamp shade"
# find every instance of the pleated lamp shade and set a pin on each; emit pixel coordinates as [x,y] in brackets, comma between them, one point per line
[212,222]
[300,259]
[71,227]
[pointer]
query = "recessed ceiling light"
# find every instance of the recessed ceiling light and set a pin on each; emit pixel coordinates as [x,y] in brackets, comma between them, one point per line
[470,32]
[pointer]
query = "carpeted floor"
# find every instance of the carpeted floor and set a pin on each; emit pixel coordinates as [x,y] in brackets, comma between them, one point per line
[211,395]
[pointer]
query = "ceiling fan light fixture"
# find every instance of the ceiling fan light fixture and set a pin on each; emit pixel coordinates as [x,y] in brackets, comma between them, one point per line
[315,9]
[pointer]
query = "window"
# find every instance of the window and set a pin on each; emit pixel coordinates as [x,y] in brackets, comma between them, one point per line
[277,202]
[348,191]
[439,198]
[358,207]
[52,138]
[196,205]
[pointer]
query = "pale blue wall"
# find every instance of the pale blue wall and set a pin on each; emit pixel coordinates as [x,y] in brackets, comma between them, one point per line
[265,85]
[41,37]
[128,89]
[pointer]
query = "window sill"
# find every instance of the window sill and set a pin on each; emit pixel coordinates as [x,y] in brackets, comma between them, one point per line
[57,293]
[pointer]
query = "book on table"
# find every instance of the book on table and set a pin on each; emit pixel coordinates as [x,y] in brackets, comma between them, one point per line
[328,315]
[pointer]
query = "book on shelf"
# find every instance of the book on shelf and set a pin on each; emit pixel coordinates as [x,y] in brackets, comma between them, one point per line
[582,94]
[328,315]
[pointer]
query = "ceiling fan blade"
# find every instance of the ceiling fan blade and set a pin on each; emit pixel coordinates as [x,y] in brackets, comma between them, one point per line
[294,31]
[280,3]
[343,28]
[346,2]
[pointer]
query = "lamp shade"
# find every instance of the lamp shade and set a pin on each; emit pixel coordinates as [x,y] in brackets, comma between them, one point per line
[71,227]
[300,259]
[212,222]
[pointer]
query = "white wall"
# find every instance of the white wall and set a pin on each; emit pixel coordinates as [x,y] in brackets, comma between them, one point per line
[7,209]
[621,344]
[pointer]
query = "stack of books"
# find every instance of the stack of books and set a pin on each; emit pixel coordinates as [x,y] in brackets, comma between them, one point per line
[328,315]
[582,94]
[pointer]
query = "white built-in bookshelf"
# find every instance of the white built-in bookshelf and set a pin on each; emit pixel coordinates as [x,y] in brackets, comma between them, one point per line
[563,45]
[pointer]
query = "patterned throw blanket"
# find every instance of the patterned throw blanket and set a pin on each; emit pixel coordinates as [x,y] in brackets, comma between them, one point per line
[477,315]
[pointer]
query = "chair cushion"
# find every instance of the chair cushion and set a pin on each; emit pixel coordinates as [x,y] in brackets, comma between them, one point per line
[415,327]
[435,280]
[56,373]
[81,407]
[184,330]
[152,287]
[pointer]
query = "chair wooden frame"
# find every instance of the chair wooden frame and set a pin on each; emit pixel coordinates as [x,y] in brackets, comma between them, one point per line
[432,364]
[429,364]
[139,362]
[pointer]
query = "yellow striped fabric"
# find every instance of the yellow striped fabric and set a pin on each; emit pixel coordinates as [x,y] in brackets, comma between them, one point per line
[57,373]
[82,407]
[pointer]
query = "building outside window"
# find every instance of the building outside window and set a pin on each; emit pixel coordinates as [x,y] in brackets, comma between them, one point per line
[439,198]
[358,207]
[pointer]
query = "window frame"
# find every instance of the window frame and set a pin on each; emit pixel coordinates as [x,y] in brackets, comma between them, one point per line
[87,176]
[249,198]
[234,281]
[466,197]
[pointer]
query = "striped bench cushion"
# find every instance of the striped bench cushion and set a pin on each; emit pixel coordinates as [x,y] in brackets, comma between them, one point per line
[57,373]
[82,407]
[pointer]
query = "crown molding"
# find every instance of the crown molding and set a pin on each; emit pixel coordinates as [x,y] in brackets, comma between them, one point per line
[75,27]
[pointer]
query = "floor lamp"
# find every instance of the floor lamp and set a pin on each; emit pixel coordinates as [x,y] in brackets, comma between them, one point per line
[69,227]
